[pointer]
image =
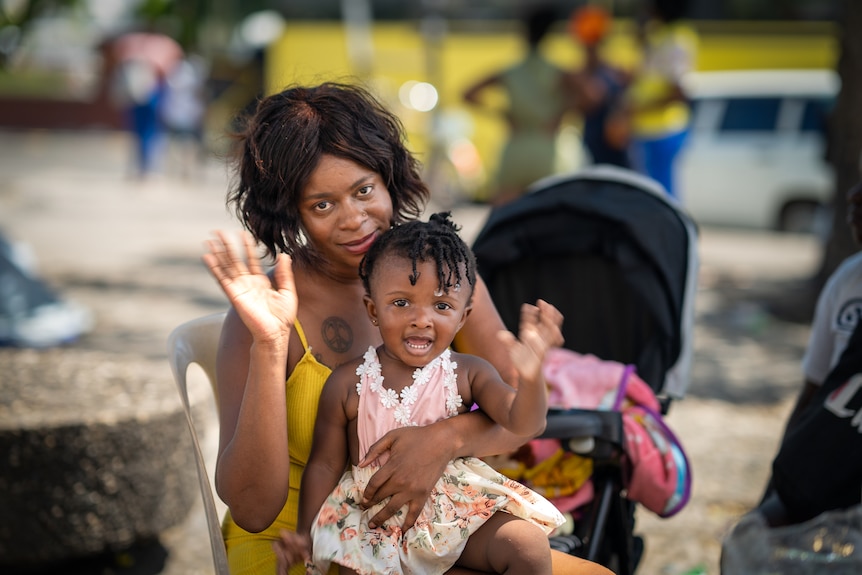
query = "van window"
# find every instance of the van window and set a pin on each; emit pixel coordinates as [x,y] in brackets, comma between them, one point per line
[750,115]
[815,114]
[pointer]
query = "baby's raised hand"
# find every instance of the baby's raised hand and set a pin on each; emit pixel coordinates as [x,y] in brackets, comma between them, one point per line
[266,306]
[549,323]
[536,334]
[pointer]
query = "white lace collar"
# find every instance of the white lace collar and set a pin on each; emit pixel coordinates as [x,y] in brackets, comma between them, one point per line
[370,371]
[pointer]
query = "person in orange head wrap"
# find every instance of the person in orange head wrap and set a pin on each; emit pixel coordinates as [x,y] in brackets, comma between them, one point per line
[605,132]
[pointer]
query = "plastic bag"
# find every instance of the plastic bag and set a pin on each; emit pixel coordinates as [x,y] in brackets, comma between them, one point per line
[830,544]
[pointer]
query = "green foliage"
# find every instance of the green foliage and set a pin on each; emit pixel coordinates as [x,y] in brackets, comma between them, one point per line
[151,10]
[23,12]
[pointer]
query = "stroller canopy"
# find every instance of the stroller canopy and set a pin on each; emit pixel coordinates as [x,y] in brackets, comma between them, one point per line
[615,254]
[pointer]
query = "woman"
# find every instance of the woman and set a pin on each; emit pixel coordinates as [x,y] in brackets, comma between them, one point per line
[322,172]
[536,90]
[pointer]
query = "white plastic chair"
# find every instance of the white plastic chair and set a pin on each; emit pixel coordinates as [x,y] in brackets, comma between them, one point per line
[196,341]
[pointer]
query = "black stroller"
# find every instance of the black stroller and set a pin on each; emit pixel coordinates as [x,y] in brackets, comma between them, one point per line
[619,259]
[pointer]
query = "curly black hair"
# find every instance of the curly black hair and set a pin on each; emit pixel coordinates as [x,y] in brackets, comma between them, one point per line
[436,240]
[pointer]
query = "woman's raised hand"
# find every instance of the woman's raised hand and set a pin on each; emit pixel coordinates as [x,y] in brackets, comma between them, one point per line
[266,306]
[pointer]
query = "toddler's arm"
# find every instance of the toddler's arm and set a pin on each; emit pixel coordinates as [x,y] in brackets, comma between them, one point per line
[327,461]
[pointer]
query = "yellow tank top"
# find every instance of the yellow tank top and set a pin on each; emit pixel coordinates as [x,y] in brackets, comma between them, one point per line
[251,553]
[670,54]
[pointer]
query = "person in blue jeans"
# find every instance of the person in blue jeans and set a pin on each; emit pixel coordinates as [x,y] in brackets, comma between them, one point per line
[656,102]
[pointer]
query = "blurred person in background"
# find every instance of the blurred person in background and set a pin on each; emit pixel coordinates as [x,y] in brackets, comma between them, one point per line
[605,132]
[183,109]
[539,94]
[655,102]
[143,62]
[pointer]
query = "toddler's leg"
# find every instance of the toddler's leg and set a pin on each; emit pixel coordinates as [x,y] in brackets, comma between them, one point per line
[506,544]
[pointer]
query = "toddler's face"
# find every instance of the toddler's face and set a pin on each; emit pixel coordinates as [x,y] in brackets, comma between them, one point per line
[417,322]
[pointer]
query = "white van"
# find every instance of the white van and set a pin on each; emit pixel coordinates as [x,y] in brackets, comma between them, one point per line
[755,156]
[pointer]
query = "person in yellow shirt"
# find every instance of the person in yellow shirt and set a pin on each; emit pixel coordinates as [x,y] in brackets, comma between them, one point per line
[657,105]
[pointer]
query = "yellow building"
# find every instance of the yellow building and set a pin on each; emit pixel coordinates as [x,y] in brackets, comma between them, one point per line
[460,146]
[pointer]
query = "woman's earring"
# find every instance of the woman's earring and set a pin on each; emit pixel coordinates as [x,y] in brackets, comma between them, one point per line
[374,321]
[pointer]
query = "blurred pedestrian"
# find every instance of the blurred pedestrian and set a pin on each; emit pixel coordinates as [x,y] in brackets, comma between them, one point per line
[143,62]
[656,102]
[183,110]
[605,130]
[537,102]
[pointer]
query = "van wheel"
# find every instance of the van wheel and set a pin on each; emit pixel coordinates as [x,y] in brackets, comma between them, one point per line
[800,217]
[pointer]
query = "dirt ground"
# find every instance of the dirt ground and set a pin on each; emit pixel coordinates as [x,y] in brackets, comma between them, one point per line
[130,251]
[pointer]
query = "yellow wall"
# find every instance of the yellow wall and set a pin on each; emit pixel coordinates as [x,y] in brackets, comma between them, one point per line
[314,52]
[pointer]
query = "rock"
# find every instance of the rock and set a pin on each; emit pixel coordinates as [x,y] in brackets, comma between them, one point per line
[94,450]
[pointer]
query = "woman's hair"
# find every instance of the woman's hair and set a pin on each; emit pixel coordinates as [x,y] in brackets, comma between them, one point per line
[283,141]
[436,240]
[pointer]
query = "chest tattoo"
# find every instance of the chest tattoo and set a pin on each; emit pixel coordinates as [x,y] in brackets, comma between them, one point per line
[337,334]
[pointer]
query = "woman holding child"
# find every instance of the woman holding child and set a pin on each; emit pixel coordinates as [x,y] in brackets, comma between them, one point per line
[322,172]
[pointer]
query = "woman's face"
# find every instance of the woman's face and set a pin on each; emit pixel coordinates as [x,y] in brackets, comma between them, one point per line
[343,209]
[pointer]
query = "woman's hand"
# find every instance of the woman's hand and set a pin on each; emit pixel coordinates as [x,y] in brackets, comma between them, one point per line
[291,548]
[266,306]
[417,458]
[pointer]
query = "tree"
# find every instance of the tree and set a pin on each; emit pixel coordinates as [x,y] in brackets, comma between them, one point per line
[844,153]
[845,140]
[16,19]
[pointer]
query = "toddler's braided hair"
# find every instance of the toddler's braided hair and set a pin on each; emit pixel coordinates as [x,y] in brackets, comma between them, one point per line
[436,240]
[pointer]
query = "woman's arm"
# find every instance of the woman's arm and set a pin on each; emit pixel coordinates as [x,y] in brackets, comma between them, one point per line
[472,94]
[252,467]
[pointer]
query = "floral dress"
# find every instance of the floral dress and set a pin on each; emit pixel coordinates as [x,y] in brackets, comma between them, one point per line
[467,494]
